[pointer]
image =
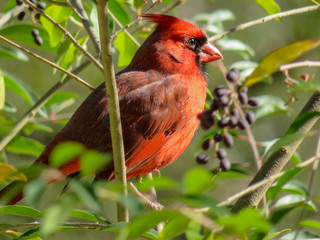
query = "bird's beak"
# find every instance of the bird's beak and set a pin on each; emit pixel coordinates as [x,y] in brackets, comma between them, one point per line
[209,53]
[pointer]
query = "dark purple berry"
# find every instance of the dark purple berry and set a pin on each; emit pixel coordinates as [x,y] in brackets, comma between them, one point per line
[228,140]
[33,1]
[233,75]
[35,32]
[41,5]
[206,119]
[223,122]
[243,97]
[38,40]
[221,153]
[242,124]
[203,159]
[225,164]
[221,91]
[218,137]
[235,113]
[21,15]
[224,101]
[207,144]
[37,16]
[233,122]
[251,117]
[253,102]
[19,2]
[30,9]
[214,106]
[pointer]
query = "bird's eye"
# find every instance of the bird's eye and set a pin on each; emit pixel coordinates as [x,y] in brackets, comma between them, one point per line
[192,43]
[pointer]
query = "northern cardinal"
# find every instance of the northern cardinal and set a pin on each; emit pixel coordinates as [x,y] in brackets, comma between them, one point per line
[161,93]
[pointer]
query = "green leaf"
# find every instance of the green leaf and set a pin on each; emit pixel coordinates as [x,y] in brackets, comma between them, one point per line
[119,12]
[2,92]
[174,228]
[290,200]
[34,190]
[301,120]
[275,235]
[17,86]
[217,16]
[60,15]
[65,152]
[84,214]
[272,62]
[194,231]
[36,126]
[235,45]
[311,224]
[9,107]
[6,52]
[21,33]
[296,187]
[93,161]
[274,191]
[21,211]
[32,234]
[86,194]
[59,97]
[159,183]
[305,86]
[269,105]
[27,146]
[197,181]
[126,48]
[245,220]
[269,5]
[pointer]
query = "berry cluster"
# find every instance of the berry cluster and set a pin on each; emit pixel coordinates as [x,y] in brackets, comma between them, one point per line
[22,15]
[228,111]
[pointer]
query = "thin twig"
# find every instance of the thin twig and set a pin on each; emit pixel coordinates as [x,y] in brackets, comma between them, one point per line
[67,34]
[113,105]
[61,4]
[263,20]
[10,14]
[125,30]
[87,24]
[52,64]
[299,64]
[257,185]
[34,109]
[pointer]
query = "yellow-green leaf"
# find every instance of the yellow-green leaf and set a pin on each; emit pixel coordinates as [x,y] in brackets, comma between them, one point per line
[269,5]
[126,48]
[9,172]
[272,62]
[59,14]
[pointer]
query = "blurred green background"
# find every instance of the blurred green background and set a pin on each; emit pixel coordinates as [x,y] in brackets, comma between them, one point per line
[262,38]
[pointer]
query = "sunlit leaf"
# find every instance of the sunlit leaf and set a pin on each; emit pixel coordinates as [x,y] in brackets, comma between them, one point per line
[126,48]
[236,45]
[174,228]
[311,224]
[272,62]
[217,16]
[21,211]
[9,172]
[65,152]
[6,52]
[194,231]
[59,97]
[9,107]
[84,214]
[21,33]
[60,15]
[274,235]
[27,146]
[158,182]
[30,127]
[119,12]
[93,161]
[301,235]
[270,6]
[305,86]
[203,181]
[290,200]
[269,105]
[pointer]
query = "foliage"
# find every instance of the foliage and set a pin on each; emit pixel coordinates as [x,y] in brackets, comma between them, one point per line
[191,210]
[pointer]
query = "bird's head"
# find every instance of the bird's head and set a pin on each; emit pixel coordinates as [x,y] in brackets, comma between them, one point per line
[175,45]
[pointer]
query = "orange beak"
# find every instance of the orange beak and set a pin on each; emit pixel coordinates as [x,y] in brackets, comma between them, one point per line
[209,53]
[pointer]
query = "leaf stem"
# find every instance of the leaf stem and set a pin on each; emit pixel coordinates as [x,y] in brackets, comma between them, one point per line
[52,64]
[113,105]
[263,20]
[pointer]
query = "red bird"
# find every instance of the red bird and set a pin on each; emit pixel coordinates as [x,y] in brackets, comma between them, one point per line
[161,93]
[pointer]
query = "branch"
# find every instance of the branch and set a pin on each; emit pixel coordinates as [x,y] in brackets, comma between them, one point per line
[10,14]
[257,185]
[67,34]
[278,159]
[52,64]
[86,23]
[32,111]
[299,64]
[61,4]
[264,19]
[113,105]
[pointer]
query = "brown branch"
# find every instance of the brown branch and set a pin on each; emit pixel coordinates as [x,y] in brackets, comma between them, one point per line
[279,158]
